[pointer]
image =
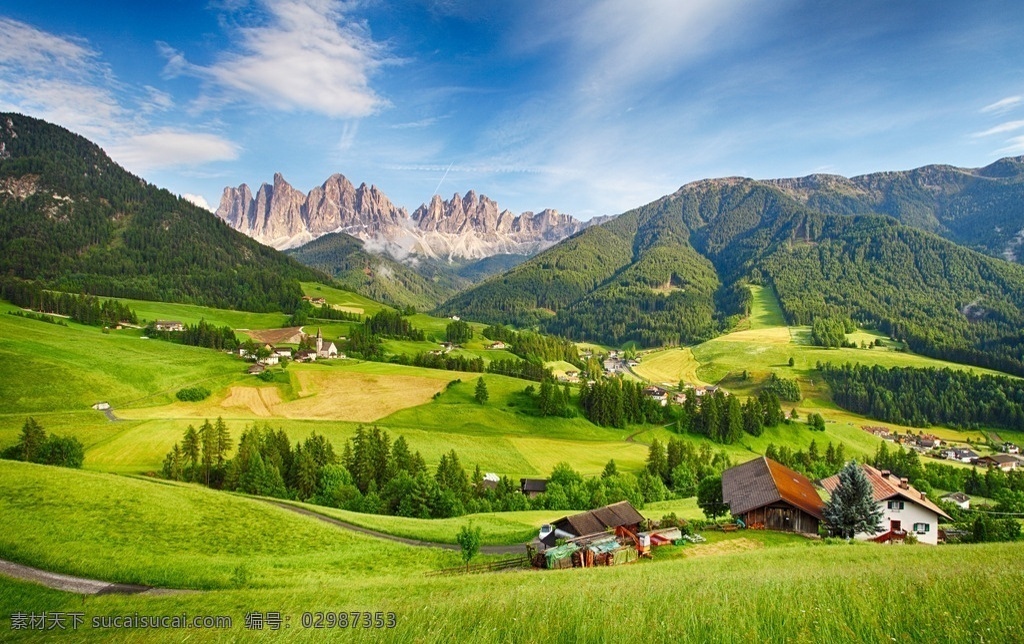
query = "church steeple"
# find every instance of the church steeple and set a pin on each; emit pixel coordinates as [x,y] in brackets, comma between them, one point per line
[319,341]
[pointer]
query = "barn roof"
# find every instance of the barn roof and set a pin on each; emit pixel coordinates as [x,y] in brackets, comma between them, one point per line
[762,481]
[601,519]
[886,486]
[533,485]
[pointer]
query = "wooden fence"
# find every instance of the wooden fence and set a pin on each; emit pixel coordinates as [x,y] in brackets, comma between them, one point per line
[521,561]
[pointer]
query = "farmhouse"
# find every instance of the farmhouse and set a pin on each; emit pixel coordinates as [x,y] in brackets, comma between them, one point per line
[904,508]
[169,325]
[305,356]
[763,493]
[961,500]
[961,454]
[256,369]
[1005,462]
[1010,448]
[490,481]
[497,346]
[599,538]
[533,487]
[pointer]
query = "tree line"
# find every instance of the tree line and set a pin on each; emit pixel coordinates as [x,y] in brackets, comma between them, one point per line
[374,474]
[84,309]
[922,397]
[35,446]
[723,419]
[202,334]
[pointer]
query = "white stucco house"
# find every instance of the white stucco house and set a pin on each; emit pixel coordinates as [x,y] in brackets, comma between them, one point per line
[904,509]
[961,500]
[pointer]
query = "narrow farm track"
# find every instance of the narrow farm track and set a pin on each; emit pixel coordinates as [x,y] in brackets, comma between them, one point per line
[79,585]
[486,550]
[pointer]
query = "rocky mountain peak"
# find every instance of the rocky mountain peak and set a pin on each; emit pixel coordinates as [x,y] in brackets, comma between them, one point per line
[469,225]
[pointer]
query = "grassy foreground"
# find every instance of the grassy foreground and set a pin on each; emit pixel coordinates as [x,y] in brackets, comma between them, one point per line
[737,587]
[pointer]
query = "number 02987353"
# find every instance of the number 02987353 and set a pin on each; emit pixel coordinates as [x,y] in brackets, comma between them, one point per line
[354,619]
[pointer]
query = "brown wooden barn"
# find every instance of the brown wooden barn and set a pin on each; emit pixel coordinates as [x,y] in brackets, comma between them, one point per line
[763,493]
[595,522]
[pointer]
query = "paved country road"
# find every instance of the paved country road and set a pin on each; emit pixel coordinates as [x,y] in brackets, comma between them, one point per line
[517,549]
[79,585]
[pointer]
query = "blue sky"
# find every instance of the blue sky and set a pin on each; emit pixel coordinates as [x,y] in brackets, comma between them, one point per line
[590,107]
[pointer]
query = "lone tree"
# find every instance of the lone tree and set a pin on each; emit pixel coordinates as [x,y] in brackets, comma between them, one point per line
[481,391]
[852,508]
[709,497]
[469,540]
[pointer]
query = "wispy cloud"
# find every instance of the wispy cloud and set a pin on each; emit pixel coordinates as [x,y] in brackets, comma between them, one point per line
[1003,105]
[614,45]
[1014,145]
[64,80]
[1002,128]
[170,148]
[306,57]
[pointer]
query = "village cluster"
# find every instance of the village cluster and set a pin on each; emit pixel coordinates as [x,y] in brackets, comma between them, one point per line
[1006,455]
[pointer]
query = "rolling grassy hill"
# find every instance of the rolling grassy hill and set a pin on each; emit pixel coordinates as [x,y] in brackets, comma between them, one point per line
[246,555]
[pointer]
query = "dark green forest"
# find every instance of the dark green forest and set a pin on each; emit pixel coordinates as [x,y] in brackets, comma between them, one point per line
[77,222]
[923,397]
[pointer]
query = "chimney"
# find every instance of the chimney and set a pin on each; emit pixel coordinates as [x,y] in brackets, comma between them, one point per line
[924,497]
[885,474]
[904,484]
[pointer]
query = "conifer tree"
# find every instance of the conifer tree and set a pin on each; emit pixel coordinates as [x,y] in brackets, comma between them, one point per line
[481,395]
[852,508]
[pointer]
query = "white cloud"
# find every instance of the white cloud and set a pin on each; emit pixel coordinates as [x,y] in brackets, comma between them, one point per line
[306,57]
[63,80]
[198,200]
[1015,145]
[57,79]
[1003,105]
[169,149]
[613,45]
[1002,128]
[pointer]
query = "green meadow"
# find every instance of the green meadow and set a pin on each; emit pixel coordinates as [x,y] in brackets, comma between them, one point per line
[147,311]
[246,555]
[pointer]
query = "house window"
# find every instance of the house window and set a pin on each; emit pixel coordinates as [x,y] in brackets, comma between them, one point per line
[895,505]
[922,528]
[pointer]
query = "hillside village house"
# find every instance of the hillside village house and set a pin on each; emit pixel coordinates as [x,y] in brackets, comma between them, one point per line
[960,499]
[1005,462]
[904,508]
[1010,448]
[533,487]
[763,493]
[497,346]
[168,325]
[961,454]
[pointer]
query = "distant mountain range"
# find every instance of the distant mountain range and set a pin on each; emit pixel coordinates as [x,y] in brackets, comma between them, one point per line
[673,271]
[921,255]
[463,227]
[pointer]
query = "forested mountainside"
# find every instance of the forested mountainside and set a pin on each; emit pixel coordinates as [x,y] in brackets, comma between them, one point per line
[673,272]
[74,220]
[376,276]
[982,208]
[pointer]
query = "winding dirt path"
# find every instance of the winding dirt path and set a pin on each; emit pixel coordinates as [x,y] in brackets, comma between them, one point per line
[517,549]
[79,585]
